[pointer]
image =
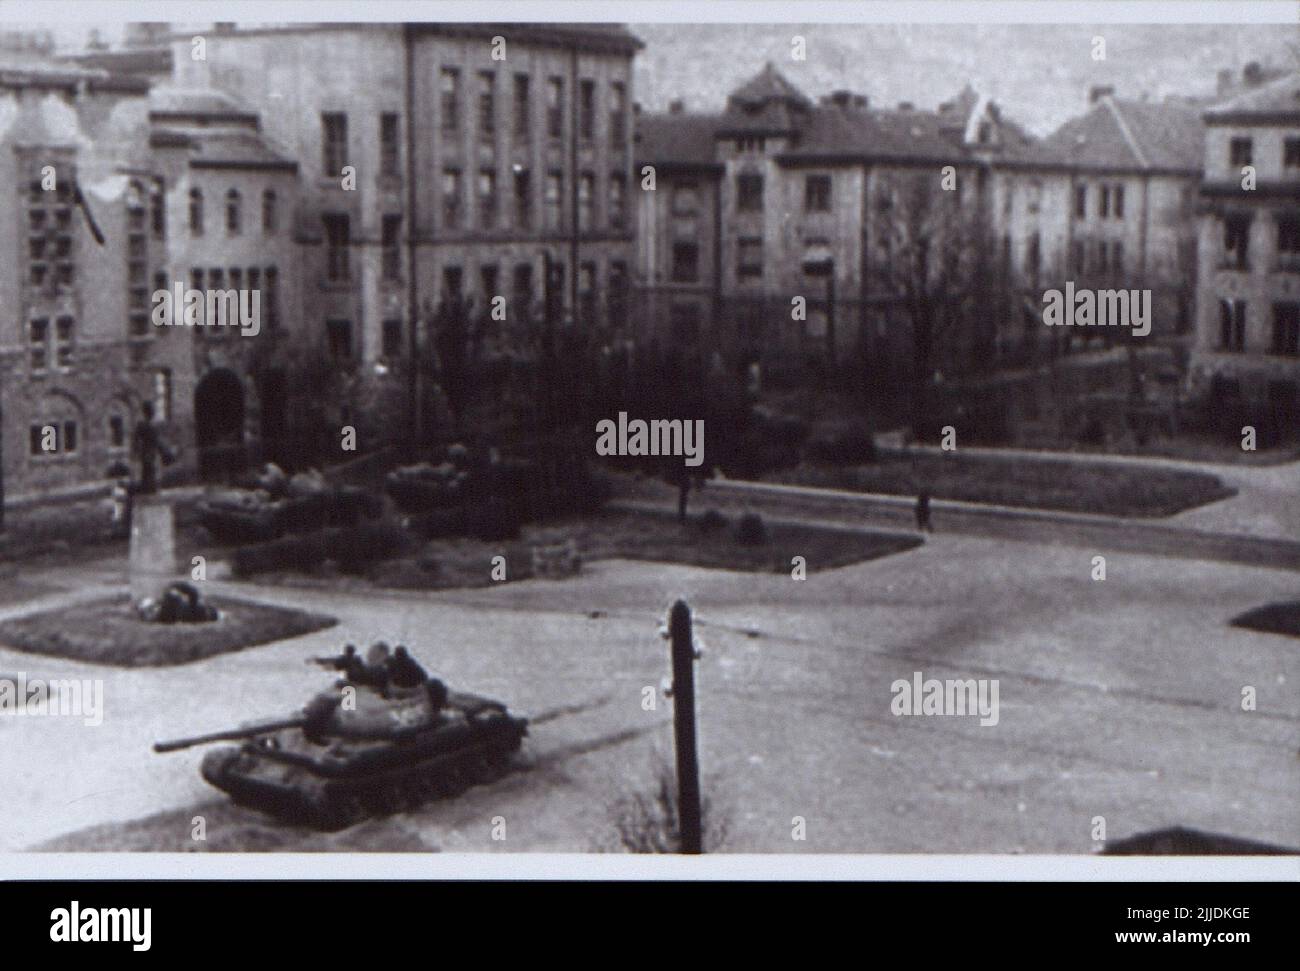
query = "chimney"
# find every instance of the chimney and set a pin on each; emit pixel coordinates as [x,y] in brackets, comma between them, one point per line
[676,106]
[1252,74]
[1099,91]
[636,109]
[905,106]
[841,98]
[861,101]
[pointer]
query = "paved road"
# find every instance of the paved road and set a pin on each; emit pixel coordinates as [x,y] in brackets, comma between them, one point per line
[1118,699]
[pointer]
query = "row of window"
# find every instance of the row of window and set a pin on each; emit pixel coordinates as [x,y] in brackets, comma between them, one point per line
[266,280]
[1286,327]
[234,212]
[62,436]
[334,124]
[1110,201]
[339,336]
[1236,241]
[554,211]
[1241,151]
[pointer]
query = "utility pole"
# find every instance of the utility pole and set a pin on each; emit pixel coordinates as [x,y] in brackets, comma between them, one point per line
[688,769]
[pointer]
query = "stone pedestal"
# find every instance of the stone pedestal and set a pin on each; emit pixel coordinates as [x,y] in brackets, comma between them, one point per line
[153,547]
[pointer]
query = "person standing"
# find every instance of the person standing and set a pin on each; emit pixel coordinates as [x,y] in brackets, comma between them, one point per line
[923,512]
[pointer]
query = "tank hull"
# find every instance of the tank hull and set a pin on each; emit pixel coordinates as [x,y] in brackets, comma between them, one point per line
[331,781]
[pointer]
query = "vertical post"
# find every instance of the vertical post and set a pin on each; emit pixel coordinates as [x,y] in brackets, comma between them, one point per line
[688,769]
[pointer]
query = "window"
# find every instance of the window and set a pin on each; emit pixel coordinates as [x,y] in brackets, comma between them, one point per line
[450,98]
[487,199]
[63,341]
[1117,257]
[617,115]
[522,288]
[488,276]
[1080,202]
[586,110]
[271,298]
[158,209]
[586,200]
[554,206]
[334,142]
[338,333]
[1119,202]
[389,135]
[38,335]
[1291,153]
[1288,242]
[617,200]
[451,195]
[116,427]
[749,261]
[1103,201]
[392,338]
[60,436]
[338,240]
[523,107]
[555,107]
[391,246]
[587,292]
[1033,256]
[196,212]
[749,193]
[1286,328]
[686,262]
[162,394]
[451,281]
[817,193]
[487,105]
[1236,240]
[1240,151]
[523,180]
[270,215]
[234,217]
[196,278]
[1232,325]
[616,293]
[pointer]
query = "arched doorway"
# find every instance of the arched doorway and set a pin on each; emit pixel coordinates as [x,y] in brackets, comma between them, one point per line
[219,424]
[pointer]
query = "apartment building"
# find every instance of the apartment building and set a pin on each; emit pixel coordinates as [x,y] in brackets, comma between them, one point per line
[1247,352]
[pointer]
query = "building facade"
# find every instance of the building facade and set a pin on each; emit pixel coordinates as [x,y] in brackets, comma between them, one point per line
[1247,353]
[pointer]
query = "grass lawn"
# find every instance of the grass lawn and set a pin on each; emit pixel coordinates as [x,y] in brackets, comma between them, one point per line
[107,631]
[452,563]
[1116,490]
[1278,618]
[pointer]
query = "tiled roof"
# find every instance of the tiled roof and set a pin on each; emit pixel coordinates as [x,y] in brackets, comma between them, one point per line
[1276,97]
[1136,135]
[768,85]
[680,139]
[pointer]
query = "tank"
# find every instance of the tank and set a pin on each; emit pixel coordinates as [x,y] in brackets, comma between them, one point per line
[332,764]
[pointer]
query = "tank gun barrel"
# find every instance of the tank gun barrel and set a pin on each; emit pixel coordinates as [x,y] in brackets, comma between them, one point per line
[229,734]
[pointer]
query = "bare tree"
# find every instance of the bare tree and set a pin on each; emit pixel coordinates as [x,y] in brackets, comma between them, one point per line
[934,252]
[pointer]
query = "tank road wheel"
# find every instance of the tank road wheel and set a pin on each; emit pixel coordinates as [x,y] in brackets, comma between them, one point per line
[489,767]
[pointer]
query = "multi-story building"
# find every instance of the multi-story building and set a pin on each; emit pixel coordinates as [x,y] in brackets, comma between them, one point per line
[79,250]
[779,198]
[1247,352]
[441,158]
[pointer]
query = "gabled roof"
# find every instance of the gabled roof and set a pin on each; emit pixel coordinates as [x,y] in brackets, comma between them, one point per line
[767,85]
[1119,135]
[1275,98]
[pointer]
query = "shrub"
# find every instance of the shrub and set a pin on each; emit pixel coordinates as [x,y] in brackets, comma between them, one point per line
[751,530]
[354,548]
[288,553]
[648,822]
[439,523]
[842,445]
[711,521]
[494,520]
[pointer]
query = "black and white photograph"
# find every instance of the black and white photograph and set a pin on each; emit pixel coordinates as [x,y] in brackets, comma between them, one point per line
[624,438]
